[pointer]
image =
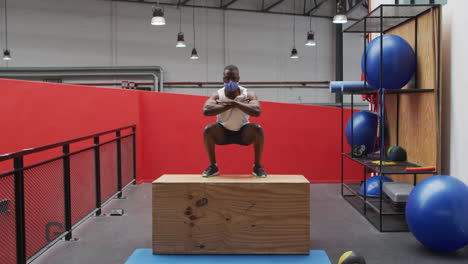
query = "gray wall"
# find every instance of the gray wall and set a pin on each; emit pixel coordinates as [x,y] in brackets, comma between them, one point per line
[100,33]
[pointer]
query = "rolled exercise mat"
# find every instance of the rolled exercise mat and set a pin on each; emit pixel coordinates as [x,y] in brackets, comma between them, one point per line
[420,169]
[349,86]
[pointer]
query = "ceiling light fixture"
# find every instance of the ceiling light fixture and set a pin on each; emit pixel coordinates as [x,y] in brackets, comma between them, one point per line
[194,55]
[6,55]
[340,17]
[294,54]
[180,35]
[158,16]
[6,51]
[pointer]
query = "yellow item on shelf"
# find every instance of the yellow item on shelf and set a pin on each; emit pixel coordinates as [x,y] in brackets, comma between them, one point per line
[384,163]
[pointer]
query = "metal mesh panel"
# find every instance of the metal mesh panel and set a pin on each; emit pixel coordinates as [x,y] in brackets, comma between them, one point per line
[7,220]
[400,11]
[392,15]
[83,184]
[44,205]
[108,159]
[373,24]
[127,160]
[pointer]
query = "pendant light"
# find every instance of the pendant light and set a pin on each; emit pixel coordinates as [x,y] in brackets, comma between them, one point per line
[6,55]
[310,39]
[340,17]
[158,16]
[180,35]
[6,51]
[194,55]
[294,54]
[310,35]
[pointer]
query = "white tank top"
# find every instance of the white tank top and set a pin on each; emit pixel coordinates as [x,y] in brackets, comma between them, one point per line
[233,119]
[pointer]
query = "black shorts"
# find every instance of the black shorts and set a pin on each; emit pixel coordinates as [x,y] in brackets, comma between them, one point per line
[233,137]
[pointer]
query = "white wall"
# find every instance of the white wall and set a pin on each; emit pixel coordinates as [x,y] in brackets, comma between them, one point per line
[100,33]
[455,93]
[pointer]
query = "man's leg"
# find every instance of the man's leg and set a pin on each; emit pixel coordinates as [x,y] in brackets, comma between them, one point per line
[213,134]
[253,133]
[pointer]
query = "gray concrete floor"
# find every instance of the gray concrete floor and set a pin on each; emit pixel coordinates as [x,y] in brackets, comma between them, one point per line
[336,227]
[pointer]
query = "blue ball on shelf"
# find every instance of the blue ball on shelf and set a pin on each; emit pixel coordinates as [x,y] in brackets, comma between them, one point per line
[398,62]
[364,130]
[373,185]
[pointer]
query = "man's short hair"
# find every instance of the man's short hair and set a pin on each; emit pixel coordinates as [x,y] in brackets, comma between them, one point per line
[231,68]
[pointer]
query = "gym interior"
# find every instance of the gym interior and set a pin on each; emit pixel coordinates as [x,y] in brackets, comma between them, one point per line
[333,131]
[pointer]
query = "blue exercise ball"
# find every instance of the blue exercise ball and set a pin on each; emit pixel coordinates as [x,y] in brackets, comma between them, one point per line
[437,213]
[398,62]
[364,130]
[373,185]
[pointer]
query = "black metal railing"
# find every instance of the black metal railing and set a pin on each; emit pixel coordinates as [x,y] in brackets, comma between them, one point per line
[43,202]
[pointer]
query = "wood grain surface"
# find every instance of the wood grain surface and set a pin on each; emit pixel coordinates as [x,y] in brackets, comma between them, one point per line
[231,215]
[419,124]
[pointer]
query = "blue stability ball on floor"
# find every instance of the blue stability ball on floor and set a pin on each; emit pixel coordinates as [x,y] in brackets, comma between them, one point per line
[398,62]
[437,213]
[364,131]
[373,185]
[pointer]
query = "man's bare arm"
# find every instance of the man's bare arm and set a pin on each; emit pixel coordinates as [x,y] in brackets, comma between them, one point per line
[251,106]
[212,107]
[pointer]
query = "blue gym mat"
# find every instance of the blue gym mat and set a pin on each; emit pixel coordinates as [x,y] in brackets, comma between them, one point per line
[145,256]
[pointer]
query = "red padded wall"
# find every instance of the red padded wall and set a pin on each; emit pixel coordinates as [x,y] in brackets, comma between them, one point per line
[299,139]
[34,114]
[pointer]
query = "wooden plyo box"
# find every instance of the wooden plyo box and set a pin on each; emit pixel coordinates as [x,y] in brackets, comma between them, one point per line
[231,214]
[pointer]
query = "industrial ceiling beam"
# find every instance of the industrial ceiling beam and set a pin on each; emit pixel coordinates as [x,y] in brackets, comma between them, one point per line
[273,5]
[228,4]
[217,7]
[315,8]
[351,8]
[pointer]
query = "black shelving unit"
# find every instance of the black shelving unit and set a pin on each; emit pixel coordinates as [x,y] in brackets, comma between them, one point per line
[375,209]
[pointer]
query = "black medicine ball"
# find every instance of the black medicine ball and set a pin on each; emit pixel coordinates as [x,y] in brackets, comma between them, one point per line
[397,154]
[351,258]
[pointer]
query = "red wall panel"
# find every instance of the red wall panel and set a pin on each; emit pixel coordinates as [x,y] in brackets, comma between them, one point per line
[34,114]
[299,139]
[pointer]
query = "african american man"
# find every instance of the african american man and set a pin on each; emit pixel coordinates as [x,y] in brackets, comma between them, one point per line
[233,105]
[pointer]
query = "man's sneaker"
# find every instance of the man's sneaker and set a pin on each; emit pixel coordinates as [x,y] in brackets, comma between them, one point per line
[258,171]
[211,171]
